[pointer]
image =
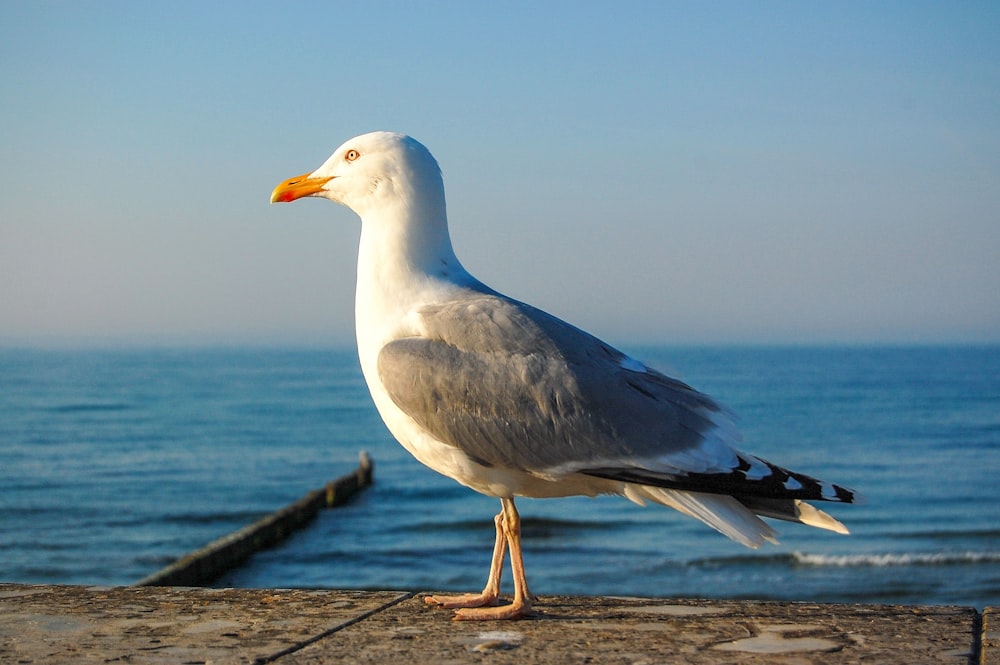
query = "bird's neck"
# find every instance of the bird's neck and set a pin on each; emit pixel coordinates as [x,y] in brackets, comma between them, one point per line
[403,243]
[405,259]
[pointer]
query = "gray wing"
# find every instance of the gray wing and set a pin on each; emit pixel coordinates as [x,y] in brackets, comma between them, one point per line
[514,387]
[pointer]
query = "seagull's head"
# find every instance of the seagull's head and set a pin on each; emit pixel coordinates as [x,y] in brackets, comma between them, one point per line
[371,171]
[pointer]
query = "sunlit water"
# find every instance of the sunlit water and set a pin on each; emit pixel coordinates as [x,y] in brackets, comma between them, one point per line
[114,463]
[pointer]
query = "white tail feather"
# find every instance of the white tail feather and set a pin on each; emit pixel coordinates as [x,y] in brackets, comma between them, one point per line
[813,516]
[723,513]
[793,510]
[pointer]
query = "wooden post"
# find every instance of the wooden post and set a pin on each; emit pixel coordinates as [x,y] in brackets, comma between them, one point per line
[202,566]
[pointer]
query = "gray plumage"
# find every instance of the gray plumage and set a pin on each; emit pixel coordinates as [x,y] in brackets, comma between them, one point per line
[514,387]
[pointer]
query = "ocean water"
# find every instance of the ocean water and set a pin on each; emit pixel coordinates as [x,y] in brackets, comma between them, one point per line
[114,463]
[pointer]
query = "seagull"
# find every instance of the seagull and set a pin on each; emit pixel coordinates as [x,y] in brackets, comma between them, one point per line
[511,401]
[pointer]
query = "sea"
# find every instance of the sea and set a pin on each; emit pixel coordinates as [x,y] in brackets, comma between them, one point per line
[113,463]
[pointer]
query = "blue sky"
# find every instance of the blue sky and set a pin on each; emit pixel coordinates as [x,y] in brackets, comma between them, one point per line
[653,172]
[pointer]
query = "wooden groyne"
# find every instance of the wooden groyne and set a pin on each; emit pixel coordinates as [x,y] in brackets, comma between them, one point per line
[207,564]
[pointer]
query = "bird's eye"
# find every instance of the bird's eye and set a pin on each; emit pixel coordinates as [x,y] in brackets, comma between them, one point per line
[352,155]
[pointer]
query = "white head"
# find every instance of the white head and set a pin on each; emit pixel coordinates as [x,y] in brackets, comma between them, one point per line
[372,173]
[394,184]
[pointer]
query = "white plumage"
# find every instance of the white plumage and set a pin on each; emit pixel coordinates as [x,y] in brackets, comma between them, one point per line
[511,401]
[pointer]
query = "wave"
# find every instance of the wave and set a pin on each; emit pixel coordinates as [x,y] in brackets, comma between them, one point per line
[894,559]
[945,534]
[85,407]
[871,560]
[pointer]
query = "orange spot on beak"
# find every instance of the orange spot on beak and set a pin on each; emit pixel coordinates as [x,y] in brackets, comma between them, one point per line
[297,187]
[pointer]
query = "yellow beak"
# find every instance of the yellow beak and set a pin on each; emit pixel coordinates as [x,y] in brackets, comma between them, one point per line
[297,187]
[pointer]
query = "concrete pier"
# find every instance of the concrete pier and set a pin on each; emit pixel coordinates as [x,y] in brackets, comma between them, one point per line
[74,624]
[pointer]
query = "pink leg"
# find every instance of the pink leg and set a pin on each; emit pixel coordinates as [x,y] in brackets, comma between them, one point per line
[521,605]
[491,593]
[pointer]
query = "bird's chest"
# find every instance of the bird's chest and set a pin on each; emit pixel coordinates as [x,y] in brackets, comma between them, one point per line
[379,321]
[428,450]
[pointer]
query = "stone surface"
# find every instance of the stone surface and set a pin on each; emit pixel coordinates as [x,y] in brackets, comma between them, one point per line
[60,624]
[991,636]
[634,631]
[72,624]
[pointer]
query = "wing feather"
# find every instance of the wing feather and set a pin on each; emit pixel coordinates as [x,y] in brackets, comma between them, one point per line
[514,387]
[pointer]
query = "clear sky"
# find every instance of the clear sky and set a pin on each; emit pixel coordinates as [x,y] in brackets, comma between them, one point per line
[654,172]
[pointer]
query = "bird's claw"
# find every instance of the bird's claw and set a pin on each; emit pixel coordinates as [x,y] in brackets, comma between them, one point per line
[466,601]
[510,612]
